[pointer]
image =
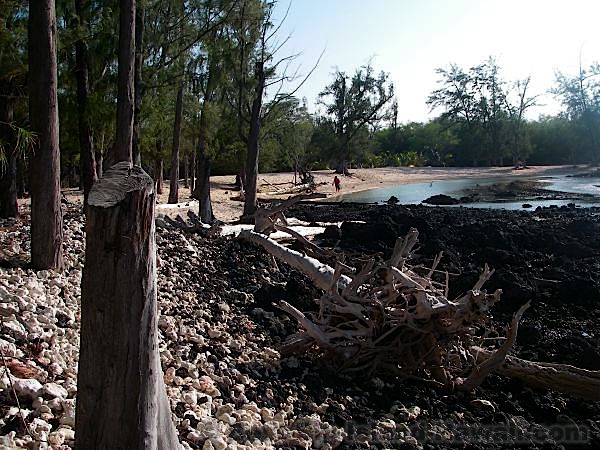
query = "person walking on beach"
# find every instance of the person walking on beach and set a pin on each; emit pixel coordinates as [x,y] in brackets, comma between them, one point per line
[336,183]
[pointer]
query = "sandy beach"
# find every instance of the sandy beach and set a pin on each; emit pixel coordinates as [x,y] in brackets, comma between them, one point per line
[271,184]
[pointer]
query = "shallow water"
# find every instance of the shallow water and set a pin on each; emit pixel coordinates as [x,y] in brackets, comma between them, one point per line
[417,192]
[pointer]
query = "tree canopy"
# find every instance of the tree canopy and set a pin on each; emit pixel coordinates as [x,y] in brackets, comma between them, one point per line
[212,81]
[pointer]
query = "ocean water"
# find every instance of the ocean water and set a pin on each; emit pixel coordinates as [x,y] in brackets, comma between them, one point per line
[417,192]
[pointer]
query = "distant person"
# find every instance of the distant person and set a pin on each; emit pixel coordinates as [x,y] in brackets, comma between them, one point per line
[336,183]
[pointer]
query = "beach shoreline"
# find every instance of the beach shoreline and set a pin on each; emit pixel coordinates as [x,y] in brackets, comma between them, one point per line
[226,209]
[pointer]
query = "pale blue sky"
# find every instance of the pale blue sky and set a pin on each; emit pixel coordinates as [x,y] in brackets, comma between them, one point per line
[409,39]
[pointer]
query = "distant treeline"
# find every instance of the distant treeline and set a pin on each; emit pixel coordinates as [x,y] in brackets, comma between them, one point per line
[197,79]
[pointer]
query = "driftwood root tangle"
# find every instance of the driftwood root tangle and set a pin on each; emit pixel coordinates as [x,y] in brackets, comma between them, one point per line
[390,318]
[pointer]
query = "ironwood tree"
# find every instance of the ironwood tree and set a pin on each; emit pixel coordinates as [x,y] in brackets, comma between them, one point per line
[125,92]
[580,97]
[8,158]
[13,69]
[355,103]
[86,143]
[258,68]
[46,213]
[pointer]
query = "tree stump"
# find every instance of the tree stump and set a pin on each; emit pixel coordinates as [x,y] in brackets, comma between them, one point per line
[121,397]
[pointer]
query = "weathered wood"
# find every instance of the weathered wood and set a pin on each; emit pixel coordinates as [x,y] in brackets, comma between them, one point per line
[497,358]
[265,218]
[121,396]
[556,377]
[320,274]
[46,213]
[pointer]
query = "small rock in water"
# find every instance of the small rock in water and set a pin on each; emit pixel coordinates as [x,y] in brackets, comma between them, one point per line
[441,199]
[527,205]
[393,200]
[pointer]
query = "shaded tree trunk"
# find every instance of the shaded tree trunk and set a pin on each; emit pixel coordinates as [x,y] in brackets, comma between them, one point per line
[174,186]
[202,191]
[203,188]
[46,214]
[21,177]
[186,172]
[253,149]
[239,180]
[193,173]
[125,92]
[121,396]
[99,164]
[158,174]
[86,144]
[138,83]
[8,174]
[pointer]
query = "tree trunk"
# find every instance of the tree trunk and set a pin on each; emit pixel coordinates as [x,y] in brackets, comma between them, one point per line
[202,191]
[158,175]
[86,144]
[253,144]
[125,92]
[239,180]
[46,214]
[99,164]
[193,174]
[21,177]
[203,188]
[71,174]
[186,172]
[8,174]
[121,396]
[138,83]
[174,186]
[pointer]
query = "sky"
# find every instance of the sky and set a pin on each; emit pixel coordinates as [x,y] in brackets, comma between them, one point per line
[409,39]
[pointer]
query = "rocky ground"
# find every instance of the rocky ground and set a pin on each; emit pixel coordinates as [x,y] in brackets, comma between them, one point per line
[231,388]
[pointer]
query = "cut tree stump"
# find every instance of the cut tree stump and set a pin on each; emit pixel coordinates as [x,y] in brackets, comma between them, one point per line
[121,395]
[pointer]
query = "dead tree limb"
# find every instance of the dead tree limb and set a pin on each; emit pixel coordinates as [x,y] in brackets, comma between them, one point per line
[320,274]
[495,360]
[266,217]
[556,377]
[121,396]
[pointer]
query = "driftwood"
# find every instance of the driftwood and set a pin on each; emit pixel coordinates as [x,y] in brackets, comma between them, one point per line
[320,274]
[301,188]
[390,318]
[265,217]
[557,377]
[192,225]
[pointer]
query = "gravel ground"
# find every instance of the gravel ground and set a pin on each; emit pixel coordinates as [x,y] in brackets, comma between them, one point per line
[229,386]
